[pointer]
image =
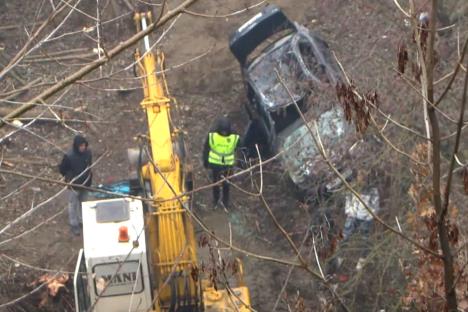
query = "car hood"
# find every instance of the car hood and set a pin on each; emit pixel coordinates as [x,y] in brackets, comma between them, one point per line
[301,157]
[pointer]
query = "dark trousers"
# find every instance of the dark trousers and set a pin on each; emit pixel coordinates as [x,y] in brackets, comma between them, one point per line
[75,198]
[217,175]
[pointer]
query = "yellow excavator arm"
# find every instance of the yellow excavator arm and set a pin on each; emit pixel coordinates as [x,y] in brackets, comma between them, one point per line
[173,263]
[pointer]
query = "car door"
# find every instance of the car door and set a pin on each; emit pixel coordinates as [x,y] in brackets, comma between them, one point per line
[269,125]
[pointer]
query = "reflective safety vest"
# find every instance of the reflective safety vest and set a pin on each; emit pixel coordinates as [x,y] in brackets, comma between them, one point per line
[222,149]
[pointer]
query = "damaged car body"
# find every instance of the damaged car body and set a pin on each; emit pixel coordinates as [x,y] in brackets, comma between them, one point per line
[284,64]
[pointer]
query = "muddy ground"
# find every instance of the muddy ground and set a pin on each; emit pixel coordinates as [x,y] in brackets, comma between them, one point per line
[205,78]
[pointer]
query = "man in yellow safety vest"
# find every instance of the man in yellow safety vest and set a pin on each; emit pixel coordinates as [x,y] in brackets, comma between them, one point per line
[219,155]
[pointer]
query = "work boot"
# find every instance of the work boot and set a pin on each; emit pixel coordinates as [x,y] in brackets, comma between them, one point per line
[226,202]
[76,230]
[223,204]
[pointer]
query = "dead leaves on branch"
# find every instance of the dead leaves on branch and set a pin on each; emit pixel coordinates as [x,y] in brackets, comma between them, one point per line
[402,58]
[403,55]
[425,288]
[53,284]
[357,109]
[424,291]
[419,169]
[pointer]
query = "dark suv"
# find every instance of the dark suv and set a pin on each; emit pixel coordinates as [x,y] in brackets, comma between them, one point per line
[268,45]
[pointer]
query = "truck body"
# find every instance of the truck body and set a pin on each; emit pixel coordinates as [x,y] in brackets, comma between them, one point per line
[118,272]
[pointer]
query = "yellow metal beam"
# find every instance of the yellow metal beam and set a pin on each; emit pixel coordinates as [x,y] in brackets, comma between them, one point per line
[170,230]
[169,227]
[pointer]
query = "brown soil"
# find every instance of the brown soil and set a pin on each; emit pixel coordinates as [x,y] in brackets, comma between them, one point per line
[364,34]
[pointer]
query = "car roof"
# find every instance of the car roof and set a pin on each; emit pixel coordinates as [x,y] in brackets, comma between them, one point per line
[300,57]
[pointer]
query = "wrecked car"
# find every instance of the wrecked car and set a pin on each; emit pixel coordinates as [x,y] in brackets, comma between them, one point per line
[284,64]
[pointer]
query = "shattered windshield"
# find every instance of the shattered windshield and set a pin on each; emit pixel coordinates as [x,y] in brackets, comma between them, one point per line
[299,59]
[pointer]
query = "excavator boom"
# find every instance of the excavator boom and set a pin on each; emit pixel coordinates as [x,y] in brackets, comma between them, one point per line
[170,230]
[141,256]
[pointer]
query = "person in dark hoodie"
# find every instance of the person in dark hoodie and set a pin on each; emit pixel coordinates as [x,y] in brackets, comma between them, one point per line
[75,167]
[219,155]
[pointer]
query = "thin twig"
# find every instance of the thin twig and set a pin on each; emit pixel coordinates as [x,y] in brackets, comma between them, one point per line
[74,8]
[30,266]
[96,64]
[285,234]
[49,199]
[35,290]
[401,9]
[225,15]
[14,93]
[24,51]
[454,154]
[288,276]
[260,191]
[317,258]
[452,78]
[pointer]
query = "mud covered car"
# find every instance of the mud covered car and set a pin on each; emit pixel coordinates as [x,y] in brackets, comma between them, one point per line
[270,46]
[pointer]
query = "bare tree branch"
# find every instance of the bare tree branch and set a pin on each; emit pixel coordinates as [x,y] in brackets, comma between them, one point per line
[96,64]
[444,209]
[31,40]
[447,257]
[452,78]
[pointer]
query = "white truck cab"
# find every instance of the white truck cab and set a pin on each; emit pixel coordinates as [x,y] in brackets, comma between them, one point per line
[112,268]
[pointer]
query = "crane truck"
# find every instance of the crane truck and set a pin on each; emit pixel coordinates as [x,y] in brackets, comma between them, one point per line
[139,253]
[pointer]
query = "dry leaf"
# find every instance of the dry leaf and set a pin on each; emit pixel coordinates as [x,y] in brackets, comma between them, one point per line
[463,305]
[402,58]
[54,287]
[54,284]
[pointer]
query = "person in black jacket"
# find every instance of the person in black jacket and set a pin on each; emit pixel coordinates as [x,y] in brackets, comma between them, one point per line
[75,167]
[219,155]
